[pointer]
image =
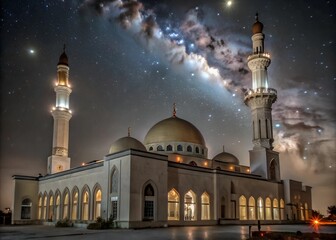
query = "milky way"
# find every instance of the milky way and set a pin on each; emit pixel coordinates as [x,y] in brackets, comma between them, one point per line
[131,60]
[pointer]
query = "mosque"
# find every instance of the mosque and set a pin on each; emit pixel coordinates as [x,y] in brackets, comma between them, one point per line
[168,179]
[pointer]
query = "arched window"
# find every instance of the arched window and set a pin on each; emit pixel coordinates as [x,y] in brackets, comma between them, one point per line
[173,205]
[26,208]
[276,209]
[306,211]
[85,205]
[205,202]
[39,213]
[192,163]
[66,203]
[268,206]
[159,148]
[197,149]
[242,208]
[301,212]
[51,207]
[282,209]
[273,170]
[97,204]
[179,148]
[251,207]
[150,148]
[114,193]
[189,149]
[57,206]
[45,207]
[169,148]
[260,209]
[190,206]
[149,197]
[74,211]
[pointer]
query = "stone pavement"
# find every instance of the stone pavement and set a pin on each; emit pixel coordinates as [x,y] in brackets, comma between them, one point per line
[174,233]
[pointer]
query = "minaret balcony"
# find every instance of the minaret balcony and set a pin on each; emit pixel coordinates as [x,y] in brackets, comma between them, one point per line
[259,55]
[61,109]
[260,92]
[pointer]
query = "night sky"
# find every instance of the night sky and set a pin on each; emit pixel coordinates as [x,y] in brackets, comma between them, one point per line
[130,61]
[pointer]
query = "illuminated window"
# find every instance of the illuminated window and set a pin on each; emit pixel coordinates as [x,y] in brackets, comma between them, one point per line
[26,208]
[251,208]
[306,211]
[45,207]
[190,206]
[51,207]
[260,208]
[97,204]
[85,205]
[189,149]
[205,202]
[173,205]
[276,209]
[74,212]
[179,148]
[66,203]
[169,148]
[268,207]
[242,208]
[149,197]
[39,213]
[301,212]
[57,206]
[282,209]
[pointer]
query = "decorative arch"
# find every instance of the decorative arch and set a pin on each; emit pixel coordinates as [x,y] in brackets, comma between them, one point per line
[251,207]
[149,193]
[268,208]
[205,203]
[26,206]
[57,204]
[85,203]
[173,205]
[260,209]
[97,197]
[66,203]
[242,208]
[190,206]
[74,203]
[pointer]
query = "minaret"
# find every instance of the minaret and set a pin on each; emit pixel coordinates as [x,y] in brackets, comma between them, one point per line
[264,161]
[59,160]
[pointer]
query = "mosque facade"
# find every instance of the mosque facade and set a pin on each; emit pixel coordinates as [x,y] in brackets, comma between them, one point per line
[168,179]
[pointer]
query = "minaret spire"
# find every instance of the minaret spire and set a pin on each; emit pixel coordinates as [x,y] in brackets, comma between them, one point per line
[174,110]
[260,99]
[59,160]
[129,131]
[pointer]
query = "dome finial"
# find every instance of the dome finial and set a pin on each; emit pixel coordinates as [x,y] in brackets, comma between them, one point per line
[64,47]
[129,131]
[174,110]
[256,17]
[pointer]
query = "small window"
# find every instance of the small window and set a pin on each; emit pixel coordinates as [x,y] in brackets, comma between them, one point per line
[179,148]
[150,148]
[159,148]
[197,150]
[169,148]
[189,149]
[26,209]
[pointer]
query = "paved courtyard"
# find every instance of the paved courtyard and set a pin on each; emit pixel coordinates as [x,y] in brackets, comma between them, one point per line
[174,233]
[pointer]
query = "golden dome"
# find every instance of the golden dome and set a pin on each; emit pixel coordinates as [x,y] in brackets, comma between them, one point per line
[126,143]
[63,59]
[257,27]
[174,129]
[226,157]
